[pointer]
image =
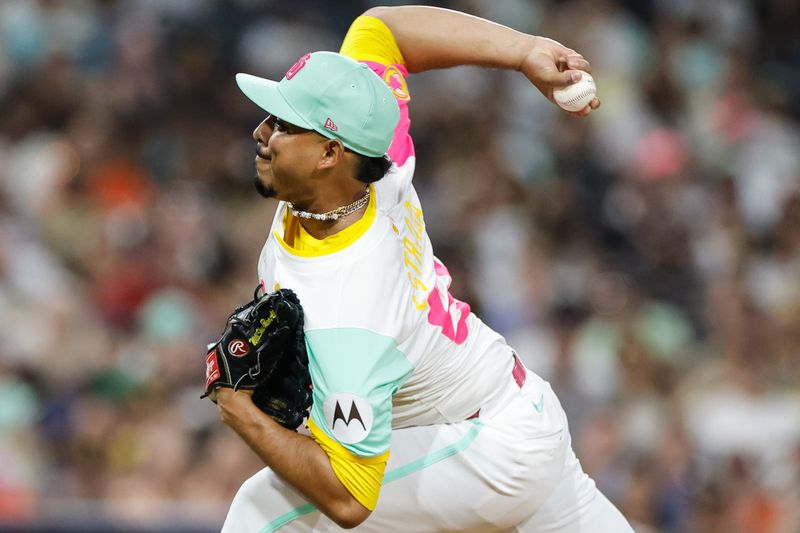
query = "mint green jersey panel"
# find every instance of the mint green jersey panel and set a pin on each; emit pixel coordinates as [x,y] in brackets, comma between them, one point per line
[355,372]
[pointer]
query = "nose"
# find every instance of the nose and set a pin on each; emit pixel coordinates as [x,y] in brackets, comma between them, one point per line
[263,131]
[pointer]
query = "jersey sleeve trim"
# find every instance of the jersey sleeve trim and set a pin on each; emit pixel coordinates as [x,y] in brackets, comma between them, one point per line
[361,476]
[370,39]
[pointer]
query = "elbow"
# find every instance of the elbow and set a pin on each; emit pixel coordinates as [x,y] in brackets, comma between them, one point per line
[377,11]
[349,515]
[348,523]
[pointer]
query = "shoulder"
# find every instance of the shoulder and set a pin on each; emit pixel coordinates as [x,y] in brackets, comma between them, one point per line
[370,40]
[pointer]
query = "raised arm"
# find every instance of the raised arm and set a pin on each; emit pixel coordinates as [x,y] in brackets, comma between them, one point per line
[431,38]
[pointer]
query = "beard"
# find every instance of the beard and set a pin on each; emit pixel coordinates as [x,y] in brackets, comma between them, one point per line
[267,191]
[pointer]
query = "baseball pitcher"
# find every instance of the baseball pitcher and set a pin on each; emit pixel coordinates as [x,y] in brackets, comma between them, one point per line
[419,417]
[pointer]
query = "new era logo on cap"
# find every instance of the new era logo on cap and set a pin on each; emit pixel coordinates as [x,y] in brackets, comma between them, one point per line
[330,125]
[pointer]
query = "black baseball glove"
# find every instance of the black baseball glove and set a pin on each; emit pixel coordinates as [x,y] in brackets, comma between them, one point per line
[263,349]
[286,394]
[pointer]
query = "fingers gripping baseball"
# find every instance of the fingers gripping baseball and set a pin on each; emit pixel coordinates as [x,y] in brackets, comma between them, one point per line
[551,66]
[575,61]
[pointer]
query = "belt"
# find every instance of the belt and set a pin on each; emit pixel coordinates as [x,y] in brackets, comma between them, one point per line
[519,374]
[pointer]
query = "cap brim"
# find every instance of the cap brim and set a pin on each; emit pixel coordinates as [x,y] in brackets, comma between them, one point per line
[266,95]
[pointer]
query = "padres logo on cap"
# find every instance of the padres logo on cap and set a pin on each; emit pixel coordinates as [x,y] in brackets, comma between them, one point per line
[297,67]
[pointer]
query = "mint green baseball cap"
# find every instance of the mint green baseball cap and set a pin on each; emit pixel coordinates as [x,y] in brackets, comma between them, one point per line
[333,95]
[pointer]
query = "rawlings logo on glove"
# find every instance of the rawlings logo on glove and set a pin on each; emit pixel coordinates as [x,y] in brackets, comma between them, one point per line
[263,348]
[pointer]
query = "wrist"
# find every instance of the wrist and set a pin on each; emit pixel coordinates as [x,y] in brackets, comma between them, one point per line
[529,45]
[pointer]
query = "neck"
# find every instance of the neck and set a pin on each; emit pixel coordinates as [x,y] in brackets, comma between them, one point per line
[321,224]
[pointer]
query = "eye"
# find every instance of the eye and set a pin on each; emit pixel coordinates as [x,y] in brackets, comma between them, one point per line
[280,125]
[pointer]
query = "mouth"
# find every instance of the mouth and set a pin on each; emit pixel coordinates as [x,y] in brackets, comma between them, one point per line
[260,154]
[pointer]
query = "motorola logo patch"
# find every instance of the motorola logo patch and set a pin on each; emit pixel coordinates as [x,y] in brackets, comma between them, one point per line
[349,417]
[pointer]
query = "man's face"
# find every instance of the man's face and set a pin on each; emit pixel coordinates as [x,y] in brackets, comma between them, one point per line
[286,156]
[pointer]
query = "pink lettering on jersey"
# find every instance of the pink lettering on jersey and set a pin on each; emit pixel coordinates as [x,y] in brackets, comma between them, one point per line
[444,310]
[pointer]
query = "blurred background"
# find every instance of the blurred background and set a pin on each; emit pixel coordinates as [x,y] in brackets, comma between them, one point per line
[645,260]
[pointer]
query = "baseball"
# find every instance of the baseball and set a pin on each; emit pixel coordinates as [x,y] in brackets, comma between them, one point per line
[576,96]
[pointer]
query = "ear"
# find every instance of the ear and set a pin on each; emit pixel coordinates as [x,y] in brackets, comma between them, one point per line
[334,152]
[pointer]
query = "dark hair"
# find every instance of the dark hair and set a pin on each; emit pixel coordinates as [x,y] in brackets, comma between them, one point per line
[371,169]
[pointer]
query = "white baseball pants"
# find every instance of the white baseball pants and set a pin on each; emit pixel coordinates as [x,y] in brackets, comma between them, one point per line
[511,469]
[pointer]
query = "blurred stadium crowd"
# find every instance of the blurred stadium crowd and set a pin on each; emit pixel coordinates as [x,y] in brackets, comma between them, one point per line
[646,260]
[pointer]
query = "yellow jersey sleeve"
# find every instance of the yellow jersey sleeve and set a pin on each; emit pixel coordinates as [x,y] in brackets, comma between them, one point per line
[362,476]
[369,39]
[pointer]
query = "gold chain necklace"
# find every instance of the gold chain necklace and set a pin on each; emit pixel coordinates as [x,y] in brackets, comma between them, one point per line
[334,214]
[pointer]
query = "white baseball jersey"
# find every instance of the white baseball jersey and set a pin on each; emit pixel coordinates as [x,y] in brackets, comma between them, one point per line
[398,363]
[386,340]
